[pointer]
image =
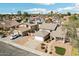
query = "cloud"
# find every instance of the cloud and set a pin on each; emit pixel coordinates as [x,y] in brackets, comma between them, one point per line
[38,10]
[72,9]
[77,5]
[64,9]
[46,3]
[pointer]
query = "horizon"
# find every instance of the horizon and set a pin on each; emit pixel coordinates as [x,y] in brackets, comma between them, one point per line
[35,8]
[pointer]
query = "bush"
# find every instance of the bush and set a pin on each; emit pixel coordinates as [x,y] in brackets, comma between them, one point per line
[60,50]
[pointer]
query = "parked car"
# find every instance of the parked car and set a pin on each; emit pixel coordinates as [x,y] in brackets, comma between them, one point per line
[15,36]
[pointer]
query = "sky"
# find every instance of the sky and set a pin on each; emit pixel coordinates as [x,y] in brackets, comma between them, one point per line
[39,7]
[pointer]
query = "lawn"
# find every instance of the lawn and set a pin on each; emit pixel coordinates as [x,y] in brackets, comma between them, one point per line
[60,50]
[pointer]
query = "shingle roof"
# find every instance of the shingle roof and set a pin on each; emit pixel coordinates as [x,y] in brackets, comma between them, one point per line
[41,33]
[59,32]
[22,29]
[48,26]
[8,23]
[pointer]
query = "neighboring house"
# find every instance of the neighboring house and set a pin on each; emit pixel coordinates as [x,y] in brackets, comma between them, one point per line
[36,20]
[39,20]
[56,19]
[42,35]
[22,31]
[59,34]
[31,20]
[33,27]
[48,19]
[48,27]
[7,24]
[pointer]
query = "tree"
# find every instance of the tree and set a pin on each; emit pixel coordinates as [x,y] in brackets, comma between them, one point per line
[25,14]
[68,13]
[19,12]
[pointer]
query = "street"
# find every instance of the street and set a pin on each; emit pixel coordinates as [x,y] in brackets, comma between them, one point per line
[8,50]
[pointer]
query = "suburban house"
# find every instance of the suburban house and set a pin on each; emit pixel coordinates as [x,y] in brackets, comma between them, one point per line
[31,20]
[59,34]
[56,19]
[42,35]
[8,24]
[33,27]
[48,27]
[39,20]
[36,20]
[22,31]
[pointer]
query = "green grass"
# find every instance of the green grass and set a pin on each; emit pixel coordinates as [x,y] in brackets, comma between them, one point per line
[60,50]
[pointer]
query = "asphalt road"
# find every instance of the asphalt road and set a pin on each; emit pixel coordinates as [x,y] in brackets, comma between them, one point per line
[8,50]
